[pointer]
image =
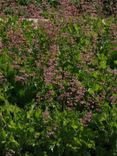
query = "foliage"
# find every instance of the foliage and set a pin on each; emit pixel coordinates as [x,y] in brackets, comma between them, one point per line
[58,83]
[24,2]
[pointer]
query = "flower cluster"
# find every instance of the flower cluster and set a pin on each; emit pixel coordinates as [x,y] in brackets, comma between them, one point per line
[87,118]
[50,70]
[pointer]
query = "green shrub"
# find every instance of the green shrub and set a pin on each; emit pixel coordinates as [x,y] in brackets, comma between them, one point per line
[58,87]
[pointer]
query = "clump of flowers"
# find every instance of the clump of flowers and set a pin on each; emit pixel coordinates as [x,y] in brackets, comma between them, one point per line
[87,118]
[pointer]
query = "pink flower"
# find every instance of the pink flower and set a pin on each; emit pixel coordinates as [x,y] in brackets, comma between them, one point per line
[87,118]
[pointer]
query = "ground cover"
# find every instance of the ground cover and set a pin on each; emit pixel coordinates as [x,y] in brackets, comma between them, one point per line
[58,78]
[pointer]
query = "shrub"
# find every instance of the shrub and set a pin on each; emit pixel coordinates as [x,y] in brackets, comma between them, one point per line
[58,85]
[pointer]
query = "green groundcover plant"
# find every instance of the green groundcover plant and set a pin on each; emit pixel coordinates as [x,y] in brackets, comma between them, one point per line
[58,83]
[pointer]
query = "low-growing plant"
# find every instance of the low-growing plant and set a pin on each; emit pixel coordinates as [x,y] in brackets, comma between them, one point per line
[58,83]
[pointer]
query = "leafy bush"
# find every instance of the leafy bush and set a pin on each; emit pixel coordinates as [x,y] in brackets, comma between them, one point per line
[58,84]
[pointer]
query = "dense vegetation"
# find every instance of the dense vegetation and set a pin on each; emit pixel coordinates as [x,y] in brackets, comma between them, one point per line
[58,78]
